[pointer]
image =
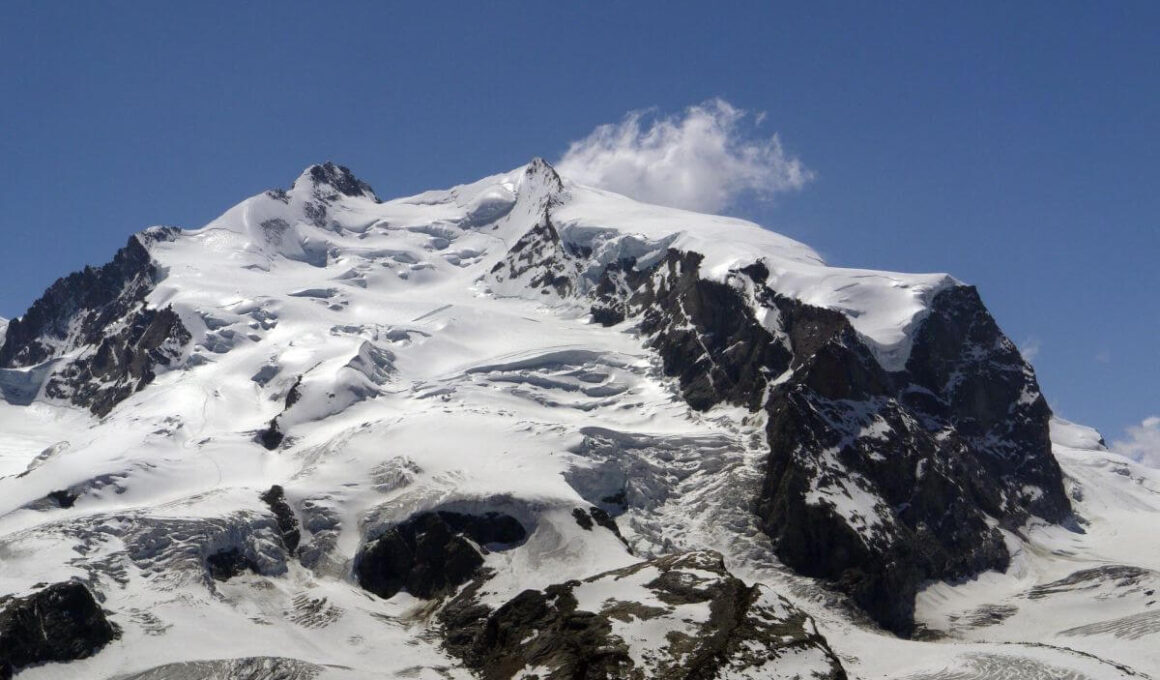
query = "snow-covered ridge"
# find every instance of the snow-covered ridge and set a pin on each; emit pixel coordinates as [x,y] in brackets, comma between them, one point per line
[306,223]
[353,376]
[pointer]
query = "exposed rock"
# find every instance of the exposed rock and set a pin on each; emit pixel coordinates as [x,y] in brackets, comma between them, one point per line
[270,436]
[1118,575]
[992,399]
[102,312]
[876,480]
[605,520]
[190,551]
[97,294]
[329,178]
[226,564]
[247,668]
[59,623]
[295,392]
[582,519]
[433,553]
[881,481]
[598,517]
[124,362]
[605,627]
[705,333]
[63,498]
[287,522]
[539,259]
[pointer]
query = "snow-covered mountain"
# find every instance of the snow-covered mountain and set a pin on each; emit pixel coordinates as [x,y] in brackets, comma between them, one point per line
[527,428]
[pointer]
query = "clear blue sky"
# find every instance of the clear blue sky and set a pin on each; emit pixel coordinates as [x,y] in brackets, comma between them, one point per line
[1015,145]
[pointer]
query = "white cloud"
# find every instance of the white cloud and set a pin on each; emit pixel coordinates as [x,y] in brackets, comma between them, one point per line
[702,159]
[1142,443]
[1030,348]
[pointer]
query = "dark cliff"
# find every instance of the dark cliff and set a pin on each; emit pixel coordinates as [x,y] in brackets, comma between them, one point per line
[876,480]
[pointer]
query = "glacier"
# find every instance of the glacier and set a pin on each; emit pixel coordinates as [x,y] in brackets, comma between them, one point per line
[415,375]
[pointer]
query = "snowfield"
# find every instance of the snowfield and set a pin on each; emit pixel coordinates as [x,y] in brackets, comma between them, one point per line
[394,375]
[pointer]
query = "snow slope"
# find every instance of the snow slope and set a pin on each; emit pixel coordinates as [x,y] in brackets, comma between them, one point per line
[417,386]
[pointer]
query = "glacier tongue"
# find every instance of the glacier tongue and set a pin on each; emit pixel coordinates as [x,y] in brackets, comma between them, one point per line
[404,372]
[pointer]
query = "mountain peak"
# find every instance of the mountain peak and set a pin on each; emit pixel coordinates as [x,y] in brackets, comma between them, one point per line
[541,168]
[257,410]
[542,184]
[337,178]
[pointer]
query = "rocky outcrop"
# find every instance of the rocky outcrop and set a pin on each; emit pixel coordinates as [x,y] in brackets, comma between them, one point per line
[243,668]
[94,297]
[95,323]
[225,564]
[433,553]
[880,481]
[990,396]
[331,180]
[877,480]
[540,259]
[59,623]
[322,185]
[271,436]
[604,627]
[246,668]
[705,332]
[124,362]
[275,498]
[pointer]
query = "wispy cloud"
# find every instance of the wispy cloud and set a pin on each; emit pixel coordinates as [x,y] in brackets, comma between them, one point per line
[1142,442]
[703,159]
[1030,347]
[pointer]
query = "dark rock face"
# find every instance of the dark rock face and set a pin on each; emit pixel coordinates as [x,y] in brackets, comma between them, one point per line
[124,362]
[63,498]
[540,258]
[272,436]
[226,564]
[598,517]
[433,553]
[244,668]
[716,622]
[992,398]
[958,438]
[60,623]
[705,333]
[103,310]
[876,480]
[94,293]
[575,643]
[582,518]
[284,514]
[340,179]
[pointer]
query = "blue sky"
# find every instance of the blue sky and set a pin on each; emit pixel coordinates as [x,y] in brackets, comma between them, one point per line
[1014,145]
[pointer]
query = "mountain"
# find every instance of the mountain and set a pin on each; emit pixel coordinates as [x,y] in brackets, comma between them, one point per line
[527,428]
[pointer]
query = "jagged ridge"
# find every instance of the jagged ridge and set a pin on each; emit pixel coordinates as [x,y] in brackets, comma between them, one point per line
[363,383]
[877,480]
